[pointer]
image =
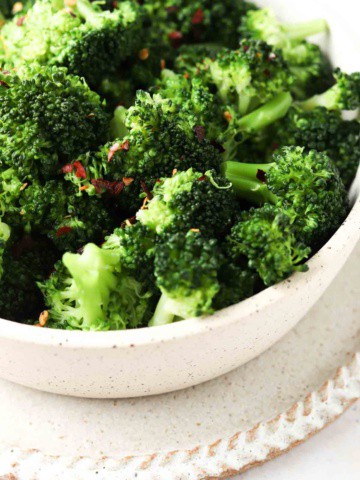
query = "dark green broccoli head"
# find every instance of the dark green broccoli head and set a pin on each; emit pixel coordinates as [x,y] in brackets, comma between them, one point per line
[306,184]
[188,21]
[186,267]
[46,116]
[26,261]
[191,200]
[90,42]
[322,130]
[344,95]
[249,76]
[190,57]
[90,291]
[268,240]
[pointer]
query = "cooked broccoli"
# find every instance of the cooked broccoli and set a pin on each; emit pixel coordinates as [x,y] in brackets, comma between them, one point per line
[266,237]
[26,260]
[344,95]
[5,233]
[92,291]
[184,21]
[190,57]
[322,130]
[191,200]
[88,41]
[186,266]
[47,116]
[306,184]
[160,139]
[248,77]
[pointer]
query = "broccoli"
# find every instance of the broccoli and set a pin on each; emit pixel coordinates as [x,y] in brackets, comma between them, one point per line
[344,95]
[92,291]
[305,184]
[186,267]
[190,57]
[310,67]
[322,130]
[268,240]
[5,233]
[159,140]
[26,260]
[248,77]
[88,41]
[47,116]
[191,200]
[188,21]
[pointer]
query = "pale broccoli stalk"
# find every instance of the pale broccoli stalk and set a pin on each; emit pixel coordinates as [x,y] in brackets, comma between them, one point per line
[118,127]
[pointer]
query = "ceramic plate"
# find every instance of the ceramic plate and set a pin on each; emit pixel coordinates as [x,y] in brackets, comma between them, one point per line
[210,431]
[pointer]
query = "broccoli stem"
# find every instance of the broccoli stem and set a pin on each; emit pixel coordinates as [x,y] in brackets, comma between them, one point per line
[118,128]
[162,314]
[328,99]
[248,182]
[88,13]
[300,31]
[267,114]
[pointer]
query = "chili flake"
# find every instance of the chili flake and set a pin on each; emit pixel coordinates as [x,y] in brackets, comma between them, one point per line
[80,171]
[144,54]
[63,231]
[198,17]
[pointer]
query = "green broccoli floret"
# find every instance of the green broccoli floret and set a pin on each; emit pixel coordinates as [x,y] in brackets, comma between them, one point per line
[248,77]
[92,291]
[186,266]
[26,260]
[190,57]
[47,116]
[191,200]
[310,67]
[88,41]
[189,21]
[160,139]
[5,233]
[322,130]
[268,240]
[344,95]
[306,184]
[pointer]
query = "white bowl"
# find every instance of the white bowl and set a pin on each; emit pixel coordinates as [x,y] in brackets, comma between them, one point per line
[157,360]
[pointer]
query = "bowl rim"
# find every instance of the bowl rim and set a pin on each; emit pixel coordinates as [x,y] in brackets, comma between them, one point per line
[348,233]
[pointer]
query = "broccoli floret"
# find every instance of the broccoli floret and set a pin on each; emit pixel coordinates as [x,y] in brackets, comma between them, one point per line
[190,57]
[161,138]
[47,116]
[248,77]
[344,95]
[322,130]
[88,41]
[189,21]
[5,233]
[267,238]
[306,184]
[310,67]
[186,266]
[92,291]
[26,260]
[191,200]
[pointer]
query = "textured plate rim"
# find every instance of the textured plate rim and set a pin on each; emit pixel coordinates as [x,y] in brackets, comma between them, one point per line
[221,459]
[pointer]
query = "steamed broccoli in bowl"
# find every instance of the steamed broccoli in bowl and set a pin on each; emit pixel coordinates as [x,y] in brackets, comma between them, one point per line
[163,159]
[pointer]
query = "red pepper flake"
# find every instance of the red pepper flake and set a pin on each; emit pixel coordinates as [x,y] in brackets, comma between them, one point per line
[246,48]
[176,39]
[80,171]
[115,4]
[261,175]
[115,148]
[144,54]
[20,21]
[114,188]
[162,64]
[227,116]
[127,181]
[202,178]
[187,76]
[200,132]
[4,84]
[125,146]
[198,17]
[146,190]
[63,231]
[67,168]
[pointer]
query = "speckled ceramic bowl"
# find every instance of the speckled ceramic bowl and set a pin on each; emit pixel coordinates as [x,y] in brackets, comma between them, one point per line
[156,360]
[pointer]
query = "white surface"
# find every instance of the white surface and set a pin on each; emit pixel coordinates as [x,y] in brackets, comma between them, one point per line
[333,454]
